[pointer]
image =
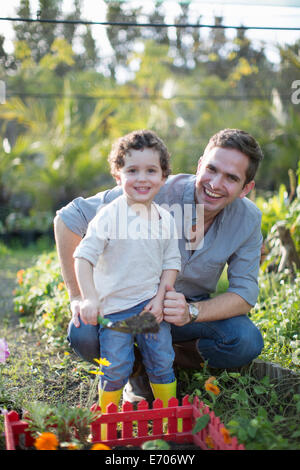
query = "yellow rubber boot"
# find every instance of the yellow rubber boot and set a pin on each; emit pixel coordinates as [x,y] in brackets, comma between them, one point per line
[165,392]
[105,398]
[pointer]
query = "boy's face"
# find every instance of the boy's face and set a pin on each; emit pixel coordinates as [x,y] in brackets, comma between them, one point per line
[141,177]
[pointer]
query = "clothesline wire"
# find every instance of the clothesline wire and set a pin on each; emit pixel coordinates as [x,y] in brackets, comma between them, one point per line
[143,97]
[146,25]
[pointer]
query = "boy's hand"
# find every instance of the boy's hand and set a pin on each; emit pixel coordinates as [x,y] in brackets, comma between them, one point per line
[89,311]
[155,306]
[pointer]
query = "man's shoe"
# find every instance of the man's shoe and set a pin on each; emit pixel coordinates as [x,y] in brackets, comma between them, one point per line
[187,355]
[137,389]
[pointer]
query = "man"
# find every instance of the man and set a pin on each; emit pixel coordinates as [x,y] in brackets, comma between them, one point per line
[214,329]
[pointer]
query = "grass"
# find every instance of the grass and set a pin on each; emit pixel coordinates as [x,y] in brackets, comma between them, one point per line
[41,366]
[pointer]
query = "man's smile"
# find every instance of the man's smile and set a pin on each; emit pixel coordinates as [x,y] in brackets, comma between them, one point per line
[212,194]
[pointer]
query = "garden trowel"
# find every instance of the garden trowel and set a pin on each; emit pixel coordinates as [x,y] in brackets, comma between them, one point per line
[145,322]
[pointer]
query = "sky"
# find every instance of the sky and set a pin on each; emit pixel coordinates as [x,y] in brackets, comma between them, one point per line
[234,12]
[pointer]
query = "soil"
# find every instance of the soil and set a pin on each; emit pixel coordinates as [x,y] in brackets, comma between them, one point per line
[145,322]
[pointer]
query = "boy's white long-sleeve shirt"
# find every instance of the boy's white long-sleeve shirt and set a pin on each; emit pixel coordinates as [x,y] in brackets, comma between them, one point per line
[129,251]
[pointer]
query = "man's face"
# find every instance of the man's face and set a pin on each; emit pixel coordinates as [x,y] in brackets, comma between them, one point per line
[220,179]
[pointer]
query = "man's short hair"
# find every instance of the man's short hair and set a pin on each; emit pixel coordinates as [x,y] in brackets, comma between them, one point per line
[242,141]
[138,140]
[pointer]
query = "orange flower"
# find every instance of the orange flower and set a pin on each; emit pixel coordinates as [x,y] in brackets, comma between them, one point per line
[60,286]
[46,441]
[209,442]
[100,447]
[72,447]
[20,276]
[211,387]
[226,435]
[210,380]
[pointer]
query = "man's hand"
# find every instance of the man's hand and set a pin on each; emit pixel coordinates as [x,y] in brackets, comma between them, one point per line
[175,308]
[89,311]
[75,310]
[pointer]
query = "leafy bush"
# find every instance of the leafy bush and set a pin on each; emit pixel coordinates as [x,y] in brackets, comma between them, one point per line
[262,414]
[42,299]
[15,221]
[277,316]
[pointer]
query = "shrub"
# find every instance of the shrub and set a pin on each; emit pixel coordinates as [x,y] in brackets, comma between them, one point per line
[42,299]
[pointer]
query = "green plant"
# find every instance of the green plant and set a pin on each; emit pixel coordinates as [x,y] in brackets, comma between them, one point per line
[69,424]
[39,417]
[277,316]
[263,414]
[41,298]
[156,444]
[273,208]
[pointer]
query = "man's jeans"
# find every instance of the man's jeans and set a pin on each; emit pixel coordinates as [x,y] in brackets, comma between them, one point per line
[229,343]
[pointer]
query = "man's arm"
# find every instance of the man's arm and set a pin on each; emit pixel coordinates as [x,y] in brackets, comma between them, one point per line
[223,306]
[66,242]
[90,306]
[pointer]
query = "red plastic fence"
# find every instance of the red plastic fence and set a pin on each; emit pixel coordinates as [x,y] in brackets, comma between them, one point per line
[143,424]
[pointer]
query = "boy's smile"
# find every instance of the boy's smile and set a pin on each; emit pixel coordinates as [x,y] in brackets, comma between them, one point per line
[141,177]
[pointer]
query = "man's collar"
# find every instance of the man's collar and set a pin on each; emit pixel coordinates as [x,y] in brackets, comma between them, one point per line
[189,191]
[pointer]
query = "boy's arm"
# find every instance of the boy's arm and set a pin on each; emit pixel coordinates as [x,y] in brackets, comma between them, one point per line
[89,306]
[168,278]
[155,306]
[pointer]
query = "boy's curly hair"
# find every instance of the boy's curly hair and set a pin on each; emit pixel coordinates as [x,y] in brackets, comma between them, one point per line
[138,140]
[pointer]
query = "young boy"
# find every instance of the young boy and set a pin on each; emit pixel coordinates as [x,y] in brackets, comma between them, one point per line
[124,263]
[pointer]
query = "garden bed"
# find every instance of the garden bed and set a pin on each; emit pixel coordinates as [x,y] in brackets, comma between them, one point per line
[261,369]
[181,421]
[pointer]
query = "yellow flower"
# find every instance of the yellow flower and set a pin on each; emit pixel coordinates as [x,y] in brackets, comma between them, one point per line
[226,435]
[211,387]
[100,447]
[102,361]
[60,286]
[96,372]
[46,441]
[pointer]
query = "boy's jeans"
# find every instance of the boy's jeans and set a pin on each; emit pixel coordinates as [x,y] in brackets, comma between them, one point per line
[118,348]
[224,343]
